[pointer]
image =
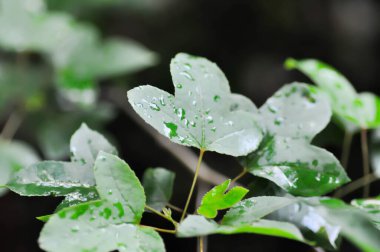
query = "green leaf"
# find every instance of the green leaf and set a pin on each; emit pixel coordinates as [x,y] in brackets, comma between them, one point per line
[218,199]
[370,206]
[296,166]
[349,106]
[158,185]
[203,113]
[96,226]
[116,182]
[195,225]
[14,156]
[254,208]
[74,179]
[330,217]
[297,110]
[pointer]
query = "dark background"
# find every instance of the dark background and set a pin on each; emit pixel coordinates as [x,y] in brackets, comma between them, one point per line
[249,40]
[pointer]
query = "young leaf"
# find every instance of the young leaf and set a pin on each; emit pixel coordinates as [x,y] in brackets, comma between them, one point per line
[158,185]
[254,208]
[292,117]
[370,206]
[218,199]
[195,225]
[297,166]
[116,182]
[96,226]
[349,106]
[65,178]
[14,156]
[203,113]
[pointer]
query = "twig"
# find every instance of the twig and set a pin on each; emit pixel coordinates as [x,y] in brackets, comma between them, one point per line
[346,148]
[11,125]
[239,176]
[358,184]
[175,208]
[162,215]
[183,154]
[366,170]
[160,229]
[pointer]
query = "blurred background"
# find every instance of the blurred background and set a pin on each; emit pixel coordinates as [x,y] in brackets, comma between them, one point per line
[63,69]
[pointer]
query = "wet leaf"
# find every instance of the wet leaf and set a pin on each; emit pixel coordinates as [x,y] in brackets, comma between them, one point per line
[292,117]
[297,166]
[203,113]
[74,179]
[116,182]
[362,110]
[196,225]
[254,208]
[10,161]
[158,185]
[370,206]
[218,199]
[96,226]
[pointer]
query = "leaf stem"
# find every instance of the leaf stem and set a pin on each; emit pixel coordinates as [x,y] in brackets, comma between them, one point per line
[161,215]
[160,229]
[346,148]
[358,184]
[175,208]
[201,153]
[239,176]
[366,170]
[11,125]
[201,244]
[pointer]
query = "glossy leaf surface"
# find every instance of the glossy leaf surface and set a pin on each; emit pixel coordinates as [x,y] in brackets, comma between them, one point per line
[218,199]
[158,185]
[203,113]
[96,226]
[116,182]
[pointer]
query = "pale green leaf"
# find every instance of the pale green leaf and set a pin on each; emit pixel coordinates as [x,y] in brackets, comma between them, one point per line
[196,225]
[370,206]
[203,113]
[255,208]
[218,199]
[96,226]
[116,182]
[158,185]
[296,166]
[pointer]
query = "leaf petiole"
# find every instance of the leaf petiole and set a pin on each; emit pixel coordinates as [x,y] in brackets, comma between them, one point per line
[161,215]
[160,229]
[239,176]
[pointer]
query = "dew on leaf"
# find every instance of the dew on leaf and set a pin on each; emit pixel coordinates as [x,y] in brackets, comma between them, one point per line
[171,129]
[179,85]
[216,98]
[187,75]
[154,106]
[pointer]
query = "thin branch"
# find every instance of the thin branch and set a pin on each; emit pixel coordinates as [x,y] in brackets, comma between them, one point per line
[346,148]
[366,170]
[239,176]
[175,208]
[161,214]
[160,229]
[353,186]
[11,125]
[181,153]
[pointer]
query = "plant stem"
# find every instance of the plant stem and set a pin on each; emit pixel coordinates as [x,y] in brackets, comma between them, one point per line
[239,176]
[201,244]
[366,170]
[175,208]
[365,180]
[11,125]
[346,148]
[161,229]
[201,153]
[161,214]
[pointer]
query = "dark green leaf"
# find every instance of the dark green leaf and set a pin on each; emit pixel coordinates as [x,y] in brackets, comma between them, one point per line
[158,185]
[203,113]
[218,199]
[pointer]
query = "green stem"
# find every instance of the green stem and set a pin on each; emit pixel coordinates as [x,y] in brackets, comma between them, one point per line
[161,215]
[160,229]
[201,244]
[202,151]
[175,208]
[240,175]
[358,184]
[366,170]
[11,125]
[346,148]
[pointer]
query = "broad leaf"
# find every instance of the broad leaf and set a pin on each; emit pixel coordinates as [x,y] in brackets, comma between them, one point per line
[292,117]
[14,156]
[116,182]
[297,166]
[254,208]
[96,226]
[65,178]
[203,113]
[158,185]
[370,206]
[218,199]
[195,225]
[349,106]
